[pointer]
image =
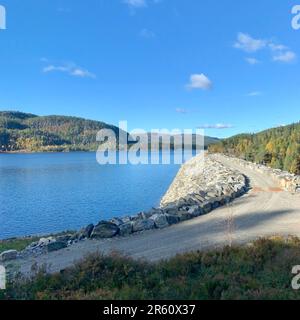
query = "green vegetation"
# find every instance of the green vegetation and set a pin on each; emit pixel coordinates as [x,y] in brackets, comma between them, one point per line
[26,132]
[20,244]
[278,147]
[260,271]
[16,243]
[30,133]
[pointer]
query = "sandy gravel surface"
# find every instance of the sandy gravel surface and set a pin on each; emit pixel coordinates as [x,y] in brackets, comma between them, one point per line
[263,211]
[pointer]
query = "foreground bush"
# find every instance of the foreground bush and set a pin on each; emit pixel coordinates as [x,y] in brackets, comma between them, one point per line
[259,271]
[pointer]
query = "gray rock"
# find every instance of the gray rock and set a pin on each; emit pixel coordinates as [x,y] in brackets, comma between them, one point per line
[172,219]
[145,215]
[172,211]
[45,241]
[126,229]
[32,245]
[8,255]
[64,238]
[184,216]
[206,207]
[135,217]
[55,246]
[87,231]
[141,225]
[116,221]
[195,211]
[126,219]
[104,229]
[154,211]
[76,236]
[215,203]
[160,221]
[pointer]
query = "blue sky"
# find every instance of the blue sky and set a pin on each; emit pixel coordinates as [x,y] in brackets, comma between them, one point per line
[227,66]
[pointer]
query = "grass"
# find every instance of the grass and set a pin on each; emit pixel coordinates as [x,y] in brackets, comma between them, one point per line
[20,244]
[16,244]
[259,271]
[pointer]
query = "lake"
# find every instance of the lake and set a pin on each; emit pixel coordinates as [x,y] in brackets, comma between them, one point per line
[52,192]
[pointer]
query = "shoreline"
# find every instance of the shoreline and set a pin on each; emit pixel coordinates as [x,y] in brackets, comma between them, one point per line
[44,152]
[184,201]
[72,232]
[260,212]
[191,203]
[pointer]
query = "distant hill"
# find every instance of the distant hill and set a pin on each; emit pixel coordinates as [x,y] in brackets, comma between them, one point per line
[277,147]
[191,139]
[31,133]
[27,132]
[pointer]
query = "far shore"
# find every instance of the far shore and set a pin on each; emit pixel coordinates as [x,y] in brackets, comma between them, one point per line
[41,151]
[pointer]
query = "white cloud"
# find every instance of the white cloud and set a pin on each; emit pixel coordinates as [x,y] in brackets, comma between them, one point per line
[277,47]
[70,69]
[287,56]
[136,3]
[199,81]
[249,44]
[52,68]
[252,61]
[148,34]
[254,94]
[216,126]
[279,52]
[181,110]
[78,72]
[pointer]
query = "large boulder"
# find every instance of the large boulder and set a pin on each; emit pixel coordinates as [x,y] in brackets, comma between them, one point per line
[125,229]
[105,229]
[154,211]
[87,231]
[184,216]
[55,246]
[195,211]
[206,207]
[116,221]
[141,225]
[64,238]
[8,255]
[172,219]
[43,242]
[145,215]
[160,221]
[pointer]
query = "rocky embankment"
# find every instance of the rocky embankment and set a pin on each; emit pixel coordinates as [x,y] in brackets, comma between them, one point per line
[285,180]
[204,181]
[201,185]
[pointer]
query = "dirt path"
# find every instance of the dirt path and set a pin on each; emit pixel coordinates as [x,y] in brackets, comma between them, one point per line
[264,211]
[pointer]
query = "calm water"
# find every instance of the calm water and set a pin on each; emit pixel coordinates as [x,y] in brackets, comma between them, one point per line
[44,193]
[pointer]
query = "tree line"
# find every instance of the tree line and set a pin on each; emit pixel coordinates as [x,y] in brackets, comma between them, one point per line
[26,132]
[278,147]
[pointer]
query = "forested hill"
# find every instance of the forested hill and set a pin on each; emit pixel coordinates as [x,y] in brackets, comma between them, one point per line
[31,133]
[277,147]
[27,132]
